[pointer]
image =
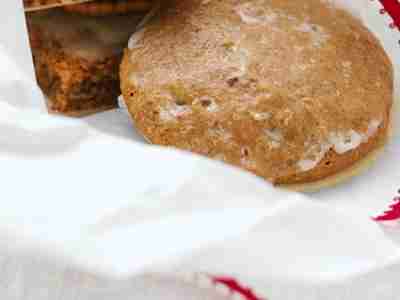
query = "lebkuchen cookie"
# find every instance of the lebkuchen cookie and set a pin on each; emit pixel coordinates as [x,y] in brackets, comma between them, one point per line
[77,58]
[293,91]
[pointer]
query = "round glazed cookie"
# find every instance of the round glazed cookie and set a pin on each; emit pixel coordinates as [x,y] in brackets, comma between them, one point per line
[293,91]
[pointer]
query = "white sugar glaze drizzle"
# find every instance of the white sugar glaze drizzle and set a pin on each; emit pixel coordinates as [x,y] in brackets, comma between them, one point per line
[318,35]
[257,13]
[171,111]
[260,116]
[253,13]
[340,142]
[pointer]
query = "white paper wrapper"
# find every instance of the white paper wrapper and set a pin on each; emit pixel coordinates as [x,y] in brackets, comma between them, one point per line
[88,211]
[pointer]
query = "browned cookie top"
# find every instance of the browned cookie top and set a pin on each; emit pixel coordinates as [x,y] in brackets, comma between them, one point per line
[273,86]
[108,7]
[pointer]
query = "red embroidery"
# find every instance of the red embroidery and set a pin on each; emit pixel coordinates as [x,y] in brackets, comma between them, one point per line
[392,7]
[393,213]
[236,287]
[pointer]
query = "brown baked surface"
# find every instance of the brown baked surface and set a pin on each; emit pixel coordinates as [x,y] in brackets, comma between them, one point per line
[109,7]
[294,91]
[77,58]
[44,4]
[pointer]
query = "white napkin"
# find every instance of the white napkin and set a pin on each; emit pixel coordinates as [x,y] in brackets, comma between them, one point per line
[88,211]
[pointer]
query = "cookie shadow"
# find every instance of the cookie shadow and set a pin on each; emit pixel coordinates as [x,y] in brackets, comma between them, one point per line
[115,122]
[39,143]
[391,230]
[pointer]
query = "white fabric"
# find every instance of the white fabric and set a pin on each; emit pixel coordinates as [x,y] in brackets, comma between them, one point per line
[88,211]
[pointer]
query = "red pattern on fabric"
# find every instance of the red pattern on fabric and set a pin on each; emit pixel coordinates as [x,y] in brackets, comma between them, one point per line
[392,7]
[236,287]
[392,214]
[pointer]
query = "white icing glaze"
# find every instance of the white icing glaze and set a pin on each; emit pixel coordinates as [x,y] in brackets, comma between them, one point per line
[318,153]
[274,144]
[260,116]
[274,134]
[344,142]
[372,129]
[318,35]
[171,112]
[240,58]
[340,142]
[274,137]
[213,107]
[349,6]
[243,61]
[255,13]
[347,70]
